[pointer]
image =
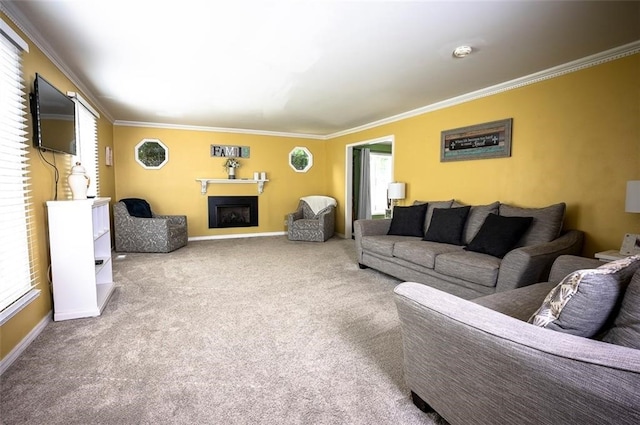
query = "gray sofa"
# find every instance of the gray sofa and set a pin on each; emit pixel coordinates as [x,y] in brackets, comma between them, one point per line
[452,268]
[480,362]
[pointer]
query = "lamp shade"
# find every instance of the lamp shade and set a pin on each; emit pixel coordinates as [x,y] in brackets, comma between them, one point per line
[396,190]
[632,203]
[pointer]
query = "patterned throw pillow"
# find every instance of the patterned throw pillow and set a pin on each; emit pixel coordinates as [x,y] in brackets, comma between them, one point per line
[582,303]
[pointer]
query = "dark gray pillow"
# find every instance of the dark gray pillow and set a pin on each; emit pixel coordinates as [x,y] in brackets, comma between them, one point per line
[582,303]
[432,206]
[547,222]
[626,328]
[498,235]
[447,225]
[138,207]
[408,221]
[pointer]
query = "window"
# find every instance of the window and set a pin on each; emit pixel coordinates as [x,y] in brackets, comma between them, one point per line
[87,136]
[380,177]
[16,256]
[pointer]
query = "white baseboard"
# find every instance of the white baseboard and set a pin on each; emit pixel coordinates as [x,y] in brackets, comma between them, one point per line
[22,345]
[236,236]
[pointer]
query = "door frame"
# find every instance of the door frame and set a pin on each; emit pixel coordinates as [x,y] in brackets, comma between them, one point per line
[348,176]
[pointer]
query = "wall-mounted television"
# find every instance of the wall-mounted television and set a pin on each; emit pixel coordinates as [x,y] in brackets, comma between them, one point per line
[54,118]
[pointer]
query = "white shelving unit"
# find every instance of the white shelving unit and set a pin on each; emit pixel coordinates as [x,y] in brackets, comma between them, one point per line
[205,182]
[80,234]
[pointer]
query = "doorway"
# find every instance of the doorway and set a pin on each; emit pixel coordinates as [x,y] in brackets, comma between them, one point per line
[384,147]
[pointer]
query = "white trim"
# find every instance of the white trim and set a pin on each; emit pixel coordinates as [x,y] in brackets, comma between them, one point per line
[18,305]
[235,236]
[13,36]
[83,102]
[18,18]
[216,129]
[348,175]
[13,355]
[577,65]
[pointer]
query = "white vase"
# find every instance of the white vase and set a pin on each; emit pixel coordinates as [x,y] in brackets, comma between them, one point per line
[232,172]
[78,181]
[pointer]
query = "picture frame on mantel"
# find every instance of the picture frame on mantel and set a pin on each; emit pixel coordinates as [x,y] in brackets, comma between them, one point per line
[482,141]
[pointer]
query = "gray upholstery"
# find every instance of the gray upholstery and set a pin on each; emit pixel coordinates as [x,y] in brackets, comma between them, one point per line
[162,233]
[465,273]
[474,364]
[305,225]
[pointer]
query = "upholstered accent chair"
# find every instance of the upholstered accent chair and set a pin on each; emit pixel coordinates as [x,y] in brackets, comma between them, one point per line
[138,229]
[314,220]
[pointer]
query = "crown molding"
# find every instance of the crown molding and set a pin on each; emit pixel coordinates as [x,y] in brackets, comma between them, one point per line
[32,33]
[577,65]
[599,58]
[217,129]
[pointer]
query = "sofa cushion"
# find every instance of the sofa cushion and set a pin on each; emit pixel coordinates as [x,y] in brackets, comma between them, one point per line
[470,266]
[476,217]
[582,303]
[546,226]
[626,328]
[499,234]
[432,205]
[408,221]
[447,225]
[383,244]
[421,252]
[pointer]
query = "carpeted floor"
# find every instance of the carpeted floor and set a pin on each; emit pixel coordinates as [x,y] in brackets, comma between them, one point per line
[237,331]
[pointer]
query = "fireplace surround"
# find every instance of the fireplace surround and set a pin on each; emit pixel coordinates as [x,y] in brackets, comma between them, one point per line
[233,211]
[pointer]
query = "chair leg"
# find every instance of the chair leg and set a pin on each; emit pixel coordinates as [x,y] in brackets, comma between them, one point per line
[362,266]
[420,403]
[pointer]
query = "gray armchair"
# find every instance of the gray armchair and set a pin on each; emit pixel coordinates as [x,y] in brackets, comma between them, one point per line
[138,229]
[314,220]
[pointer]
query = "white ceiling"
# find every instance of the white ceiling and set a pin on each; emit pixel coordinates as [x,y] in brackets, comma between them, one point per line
[308,67]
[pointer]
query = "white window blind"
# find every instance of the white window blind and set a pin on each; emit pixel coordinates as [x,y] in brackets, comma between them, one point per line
[87,142]
[16,253]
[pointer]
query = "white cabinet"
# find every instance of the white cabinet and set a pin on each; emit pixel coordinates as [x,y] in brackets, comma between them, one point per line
[79,237]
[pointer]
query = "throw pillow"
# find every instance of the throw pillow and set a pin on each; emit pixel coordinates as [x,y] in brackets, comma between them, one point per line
[477,216]
[447,225]
[138,207]
[626,328]
[499,234]
[583,301]
[408,221]
[547,222]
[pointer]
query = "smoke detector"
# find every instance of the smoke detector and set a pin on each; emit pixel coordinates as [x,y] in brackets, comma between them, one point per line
[462,51]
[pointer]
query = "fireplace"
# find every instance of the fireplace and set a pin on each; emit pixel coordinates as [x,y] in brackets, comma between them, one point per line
[233,211]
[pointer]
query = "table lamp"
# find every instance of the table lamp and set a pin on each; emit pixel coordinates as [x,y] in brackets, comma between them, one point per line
[395,191]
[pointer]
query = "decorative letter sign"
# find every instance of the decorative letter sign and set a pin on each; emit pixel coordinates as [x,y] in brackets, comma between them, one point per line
[230,151]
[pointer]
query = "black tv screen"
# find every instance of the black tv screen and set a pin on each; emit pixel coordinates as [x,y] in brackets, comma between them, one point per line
[54,118]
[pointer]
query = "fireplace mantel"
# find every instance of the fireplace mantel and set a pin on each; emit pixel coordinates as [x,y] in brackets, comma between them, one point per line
[206,182]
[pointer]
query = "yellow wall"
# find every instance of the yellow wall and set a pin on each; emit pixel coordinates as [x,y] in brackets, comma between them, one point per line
[576,139]
[42,186]
[173,189]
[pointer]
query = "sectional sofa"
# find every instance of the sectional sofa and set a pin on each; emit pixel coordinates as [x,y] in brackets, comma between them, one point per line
[467,250]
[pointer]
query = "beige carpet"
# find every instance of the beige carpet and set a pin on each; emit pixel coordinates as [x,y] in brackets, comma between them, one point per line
[238,331]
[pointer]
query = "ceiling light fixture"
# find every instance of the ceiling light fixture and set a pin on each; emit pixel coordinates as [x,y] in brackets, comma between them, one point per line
[462,51]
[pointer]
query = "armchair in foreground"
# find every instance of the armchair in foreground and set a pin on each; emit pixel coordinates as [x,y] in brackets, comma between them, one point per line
[138,229]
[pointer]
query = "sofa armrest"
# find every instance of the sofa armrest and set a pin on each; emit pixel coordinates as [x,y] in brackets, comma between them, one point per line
[474,365]
[177,220]
[531,264]
[566,264]
[296,215]
[368,227]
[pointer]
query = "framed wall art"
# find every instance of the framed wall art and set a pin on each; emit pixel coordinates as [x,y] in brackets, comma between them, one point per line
[489,140]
